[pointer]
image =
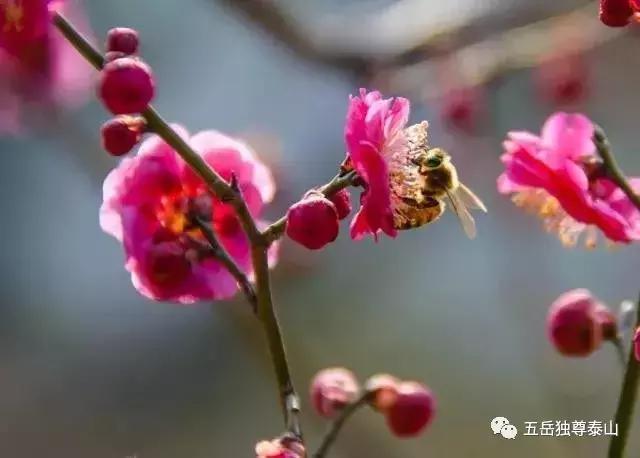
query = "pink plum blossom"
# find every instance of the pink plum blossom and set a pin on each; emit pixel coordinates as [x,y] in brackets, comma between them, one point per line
[374,134]
[152,200]
[37,65]
[558,176]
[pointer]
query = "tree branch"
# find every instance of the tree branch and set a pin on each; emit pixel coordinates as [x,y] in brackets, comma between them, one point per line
[222,255]
[403,33]
[489,59]
[231,194]
[339,422]
[629,391]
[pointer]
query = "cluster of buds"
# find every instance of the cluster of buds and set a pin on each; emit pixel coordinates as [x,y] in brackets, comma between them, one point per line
[313,222]
[407,406]
[126,87]
[578,323]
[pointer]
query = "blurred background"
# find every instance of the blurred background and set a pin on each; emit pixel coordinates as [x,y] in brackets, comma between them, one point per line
[89,368]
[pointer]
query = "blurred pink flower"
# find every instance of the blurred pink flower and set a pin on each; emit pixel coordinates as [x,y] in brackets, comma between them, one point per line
[374,134]
[556,176]
[280,448]
[37,65]
[150,204]
[332,389]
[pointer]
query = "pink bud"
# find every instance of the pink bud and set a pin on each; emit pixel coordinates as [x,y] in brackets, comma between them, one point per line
[313,221]
[332,389]
[636,344]
[384,391]
[121,134]
[412,411]
[563,79]
[126,86]
[168,263]
[461,108]
[280,448]
[123,39]
[342,201]
[615,13]
[607,322]
[572,323]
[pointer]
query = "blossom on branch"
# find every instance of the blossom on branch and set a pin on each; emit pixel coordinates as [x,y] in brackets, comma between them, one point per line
[559,177]
[156,206]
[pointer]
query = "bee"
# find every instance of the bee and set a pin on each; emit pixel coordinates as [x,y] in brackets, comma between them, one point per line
[425,181]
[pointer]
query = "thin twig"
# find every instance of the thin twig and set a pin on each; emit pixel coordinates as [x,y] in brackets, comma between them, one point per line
[290,402]
[221,254]
[335,428]
[340,181]
[628,394]
[618,343]
[611,165]
[626,403]
[230,194]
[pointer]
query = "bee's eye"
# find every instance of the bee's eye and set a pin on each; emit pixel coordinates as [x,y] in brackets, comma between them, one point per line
[433,162]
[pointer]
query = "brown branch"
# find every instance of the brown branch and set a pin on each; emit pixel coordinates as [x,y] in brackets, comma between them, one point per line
[223,256]
[391,36]
[629,391]
[333,432]
[230,193]
[486,61]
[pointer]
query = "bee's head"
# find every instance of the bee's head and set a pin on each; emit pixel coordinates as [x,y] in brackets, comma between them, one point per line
[440,174]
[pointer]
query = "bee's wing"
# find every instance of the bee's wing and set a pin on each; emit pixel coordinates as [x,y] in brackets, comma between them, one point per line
[460,209]
[469,198]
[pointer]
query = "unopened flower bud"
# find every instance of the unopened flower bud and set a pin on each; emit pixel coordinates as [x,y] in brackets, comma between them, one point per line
[332,389]
[384,391]
[615,13]
[342,201]
[123,39]
[313,221]
[121,134]
[412,411]
[573,325]
[126,86]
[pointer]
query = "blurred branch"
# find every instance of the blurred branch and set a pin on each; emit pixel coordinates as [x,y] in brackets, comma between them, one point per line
[407,31]
[627,401]
[488,60]
[629,391]
[339,422]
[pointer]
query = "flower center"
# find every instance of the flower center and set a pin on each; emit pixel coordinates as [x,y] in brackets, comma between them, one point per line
[13,14]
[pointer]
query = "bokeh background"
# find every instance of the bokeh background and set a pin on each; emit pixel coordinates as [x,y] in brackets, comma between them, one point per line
[88,368]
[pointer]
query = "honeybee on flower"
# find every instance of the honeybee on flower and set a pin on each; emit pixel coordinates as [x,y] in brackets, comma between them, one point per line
[407,183]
